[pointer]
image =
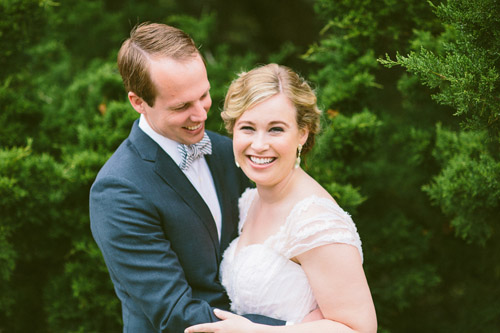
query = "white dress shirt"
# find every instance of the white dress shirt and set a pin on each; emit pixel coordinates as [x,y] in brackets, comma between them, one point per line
[198,173]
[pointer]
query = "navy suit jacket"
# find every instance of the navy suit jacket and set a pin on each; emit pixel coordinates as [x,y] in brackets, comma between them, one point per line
[158,236]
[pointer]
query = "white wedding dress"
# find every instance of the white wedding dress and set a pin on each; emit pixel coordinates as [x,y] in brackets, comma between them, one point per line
[261,278]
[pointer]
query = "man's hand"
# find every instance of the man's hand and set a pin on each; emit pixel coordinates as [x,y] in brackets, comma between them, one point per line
[230,323]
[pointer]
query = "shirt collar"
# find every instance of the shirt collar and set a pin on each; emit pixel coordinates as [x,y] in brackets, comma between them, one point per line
[168,145]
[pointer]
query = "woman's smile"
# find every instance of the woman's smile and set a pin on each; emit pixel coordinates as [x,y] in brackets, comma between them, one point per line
[262,161]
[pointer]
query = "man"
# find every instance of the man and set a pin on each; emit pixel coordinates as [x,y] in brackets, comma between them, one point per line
[161,216]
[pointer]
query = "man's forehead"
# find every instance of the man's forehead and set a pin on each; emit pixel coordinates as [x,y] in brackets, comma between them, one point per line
[179,83]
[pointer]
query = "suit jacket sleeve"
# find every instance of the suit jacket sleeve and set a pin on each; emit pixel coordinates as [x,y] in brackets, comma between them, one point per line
[140,258]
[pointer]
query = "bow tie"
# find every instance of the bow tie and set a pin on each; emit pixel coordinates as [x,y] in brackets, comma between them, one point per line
[190,153]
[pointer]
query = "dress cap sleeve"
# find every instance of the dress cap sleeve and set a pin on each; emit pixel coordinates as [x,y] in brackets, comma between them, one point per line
[317,221]
[244,204]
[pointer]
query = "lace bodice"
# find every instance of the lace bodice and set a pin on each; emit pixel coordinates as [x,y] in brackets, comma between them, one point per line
[261,278]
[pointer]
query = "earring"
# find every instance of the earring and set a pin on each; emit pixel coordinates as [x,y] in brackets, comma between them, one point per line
[297,161]
[236,162]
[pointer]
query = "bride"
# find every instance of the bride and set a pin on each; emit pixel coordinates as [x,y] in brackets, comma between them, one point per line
[298,257]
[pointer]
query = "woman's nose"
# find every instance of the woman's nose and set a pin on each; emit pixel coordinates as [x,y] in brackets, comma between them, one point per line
[260,143]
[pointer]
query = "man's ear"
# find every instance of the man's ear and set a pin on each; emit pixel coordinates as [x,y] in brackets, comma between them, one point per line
[137,103]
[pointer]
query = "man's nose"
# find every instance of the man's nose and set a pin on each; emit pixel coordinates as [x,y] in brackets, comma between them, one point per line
[199,113]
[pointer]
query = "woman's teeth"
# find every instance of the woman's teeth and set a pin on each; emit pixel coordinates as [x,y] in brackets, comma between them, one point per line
[261,160]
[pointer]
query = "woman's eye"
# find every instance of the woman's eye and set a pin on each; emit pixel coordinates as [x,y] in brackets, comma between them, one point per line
[276,129]
[246,128]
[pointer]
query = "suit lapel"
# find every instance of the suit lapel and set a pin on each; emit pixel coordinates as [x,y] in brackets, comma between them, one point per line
[166,168]
[217,170]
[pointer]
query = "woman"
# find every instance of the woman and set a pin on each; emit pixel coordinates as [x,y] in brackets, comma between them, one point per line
[298,252]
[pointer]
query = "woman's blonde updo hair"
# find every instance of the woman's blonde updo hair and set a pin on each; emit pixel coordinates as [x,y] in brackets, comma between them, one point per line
[264,82]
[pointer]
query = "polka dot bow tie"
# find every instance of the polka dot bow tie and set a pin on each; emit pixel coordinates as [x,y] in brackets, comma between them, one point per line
[190,153]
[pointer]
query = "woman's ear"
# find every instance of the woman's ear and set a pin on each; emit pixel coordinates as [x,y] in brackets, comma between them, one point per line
[137,102]
[303,135]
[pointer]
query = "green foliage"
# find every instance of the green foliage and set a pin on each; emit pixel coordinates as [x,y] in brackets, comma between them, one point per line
[465,76]
[7,265]
[468,186]
[82,291]
[20,26]
[85,99]
[404,275]
[20,117]
[352,38]
[201,29]
[341,81]
[467,70]
[26,263]
[344,142]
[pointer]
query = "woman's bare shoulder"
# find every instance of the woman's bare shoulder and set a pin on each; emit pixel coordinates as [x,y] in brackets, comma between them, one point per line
[309,187]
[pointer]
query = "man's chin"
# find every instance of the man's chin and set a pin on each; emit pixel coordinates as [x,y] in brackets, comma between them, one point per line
[194,138]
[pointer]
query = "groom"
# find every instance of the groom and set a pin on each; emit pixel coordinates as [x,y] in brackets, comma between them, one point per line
[164,206]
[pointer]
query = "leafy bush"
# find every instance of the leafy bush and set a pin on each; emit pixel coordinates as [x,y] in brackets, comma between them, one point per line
[410,148]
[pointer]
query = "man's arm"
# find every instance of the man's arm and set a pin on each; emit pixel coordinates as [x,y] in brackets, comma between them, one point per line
[140,259]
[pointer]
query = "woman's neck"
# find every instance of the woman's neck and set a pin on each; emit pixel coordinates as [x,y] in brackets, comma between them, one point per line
[278,192]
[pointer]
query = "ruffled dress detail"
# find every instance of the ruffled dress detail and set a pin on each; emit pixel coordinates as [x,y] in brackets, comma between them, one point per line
[261,278]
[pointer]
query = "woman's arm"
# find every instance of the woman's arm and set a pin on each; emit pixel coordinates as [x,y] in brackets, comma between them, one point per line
[232,323]
[339,284]
[336,275]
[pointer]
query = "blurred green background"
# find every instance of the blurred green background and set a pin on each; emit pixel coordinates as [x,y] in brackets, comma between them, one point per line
[409,146]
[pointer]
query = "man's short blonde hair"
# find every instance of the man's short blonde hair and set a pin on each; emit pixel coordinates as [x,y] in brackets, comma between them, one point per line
[151,41]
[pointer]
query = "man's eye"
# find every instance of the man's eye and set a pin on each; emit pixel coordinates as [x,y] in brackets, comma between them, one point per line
[181,108]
